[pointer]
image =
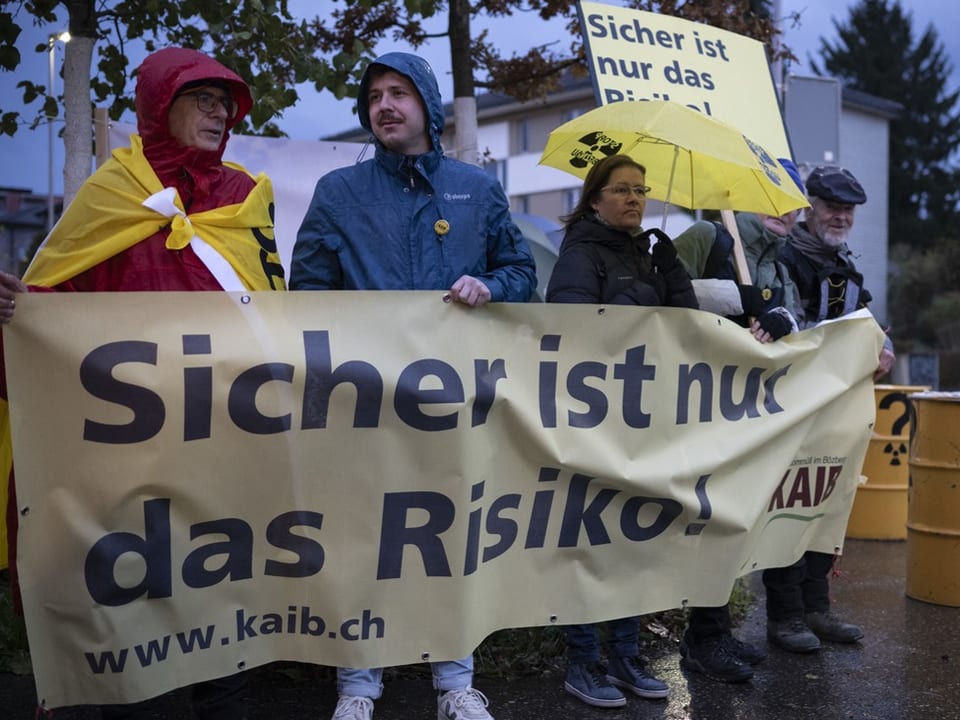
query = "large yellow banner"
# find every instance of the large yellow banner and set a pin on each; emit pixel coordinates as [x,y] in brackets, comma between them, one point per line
[213,481]
[636,55]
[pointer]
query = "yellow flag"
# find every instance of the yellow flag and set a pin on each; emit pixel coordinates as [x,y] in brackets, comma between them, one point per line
[108,216]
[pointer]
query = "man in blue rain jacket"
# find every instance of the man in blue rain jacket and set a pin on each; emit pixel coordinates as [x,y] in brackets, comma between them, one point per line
[411,218]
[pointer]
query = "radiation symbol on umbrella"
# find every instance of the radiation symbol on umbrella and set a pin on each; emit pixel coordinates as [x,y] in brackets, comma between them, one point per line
[596,146]
[767,163]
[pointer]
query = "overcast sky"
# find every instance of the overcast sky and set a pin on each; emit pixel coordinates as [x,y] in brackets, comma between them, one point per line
[24,157]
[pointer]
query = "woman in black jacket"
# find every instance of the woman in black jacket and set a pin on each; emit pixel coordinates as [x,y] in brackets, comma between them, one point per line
[605,258]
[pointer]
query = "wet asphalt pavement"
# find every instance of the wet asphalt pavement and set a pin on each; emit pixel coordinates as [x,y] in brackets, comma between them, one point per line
[907,667]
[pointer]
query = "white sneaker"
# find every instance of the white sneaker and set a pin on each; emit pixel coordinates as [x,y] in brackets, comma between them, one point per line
[350,707]
[466,704]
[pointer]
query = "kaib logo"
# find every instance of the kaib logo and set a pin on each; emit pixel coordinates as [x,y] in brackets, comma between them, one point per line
[595,144]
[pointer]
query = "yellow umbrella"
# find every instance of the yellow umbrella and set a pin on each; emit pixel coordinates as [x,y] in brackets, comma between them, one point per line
[692,160]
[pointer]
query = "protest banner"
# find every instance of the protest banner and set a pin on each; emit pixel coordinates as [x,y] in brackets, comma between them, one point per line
[214,481]
[635,55]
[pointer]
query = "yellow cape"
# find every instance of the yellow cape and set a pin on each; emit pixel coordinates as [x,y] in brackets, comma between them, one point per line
[108,216]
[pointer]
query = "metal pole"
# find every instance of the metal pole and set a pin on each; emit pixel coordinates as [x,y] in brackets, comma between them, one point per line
[51,43]
[777,69]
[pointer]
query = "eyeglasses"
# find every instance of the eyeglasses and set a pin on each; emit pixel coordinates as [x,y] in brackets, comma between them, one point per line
[624,191]
[207,102]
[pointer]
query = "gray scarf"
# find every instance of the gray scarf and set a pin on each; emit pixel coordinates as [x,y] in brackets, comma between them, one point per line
[817,250]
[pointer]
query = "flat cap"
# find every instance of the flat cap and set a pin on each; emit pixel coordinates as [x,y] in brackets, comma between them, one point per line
[835,184]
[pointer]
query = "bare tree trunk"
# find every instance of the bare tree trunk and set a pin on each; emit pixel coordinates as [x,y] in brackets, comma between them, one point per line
[78,131]
[464,100]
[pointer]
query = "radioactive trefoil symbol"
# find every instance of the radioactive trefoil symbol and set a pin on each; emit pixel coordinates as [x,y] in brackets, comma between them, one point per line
[895,451]
[596,145]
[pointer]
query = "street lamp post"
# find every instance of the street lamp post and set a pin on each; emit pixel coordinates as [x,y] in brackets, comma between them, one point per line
[51,44]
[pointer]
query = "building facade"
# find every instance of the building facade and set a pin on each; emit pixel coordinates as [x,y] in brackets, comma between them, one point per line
[23,224]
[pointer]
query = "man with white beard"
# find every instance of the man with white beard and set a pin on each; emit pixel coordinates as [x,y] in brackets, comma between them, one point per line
[817,255]
[821,265]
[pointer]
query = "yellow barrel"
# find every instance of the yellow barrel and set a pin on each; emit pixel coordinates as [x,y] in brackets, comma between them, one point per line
[880,505]
[933,518]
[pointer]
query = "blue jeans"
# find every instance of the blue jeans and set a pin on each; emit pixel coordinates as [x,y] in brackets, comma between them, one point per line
[368,682]
[583,641]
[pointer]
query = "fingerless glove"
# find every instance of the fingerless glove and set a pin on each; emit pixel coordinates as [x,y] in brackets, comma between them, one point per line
[776,324]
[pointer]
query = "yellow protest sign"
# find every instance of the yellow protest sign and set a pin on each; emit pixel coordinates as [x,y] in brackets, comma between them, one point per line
[636,55]
[213,481]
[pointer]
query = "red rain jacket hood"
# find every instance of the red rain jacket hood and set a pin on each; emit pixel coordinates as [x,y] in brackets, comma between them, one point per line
[193,172]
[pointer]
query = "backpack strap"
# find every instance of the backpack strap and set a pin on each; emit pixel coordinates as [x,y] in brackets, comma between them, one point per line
[841,291]
[719,264]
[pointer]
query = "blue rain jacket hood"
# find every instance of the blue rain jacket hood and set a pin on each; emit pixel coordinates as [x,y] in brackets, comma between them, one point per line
[419,72]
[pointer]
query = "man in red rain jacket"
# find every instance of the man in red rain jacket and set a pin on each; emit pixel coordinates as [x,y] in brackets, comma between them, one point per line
[179,219]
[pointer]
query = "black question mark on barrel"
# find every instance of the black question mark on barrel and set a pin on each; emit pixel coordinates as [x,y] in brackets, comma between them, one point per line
[889,400]
[900,422]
